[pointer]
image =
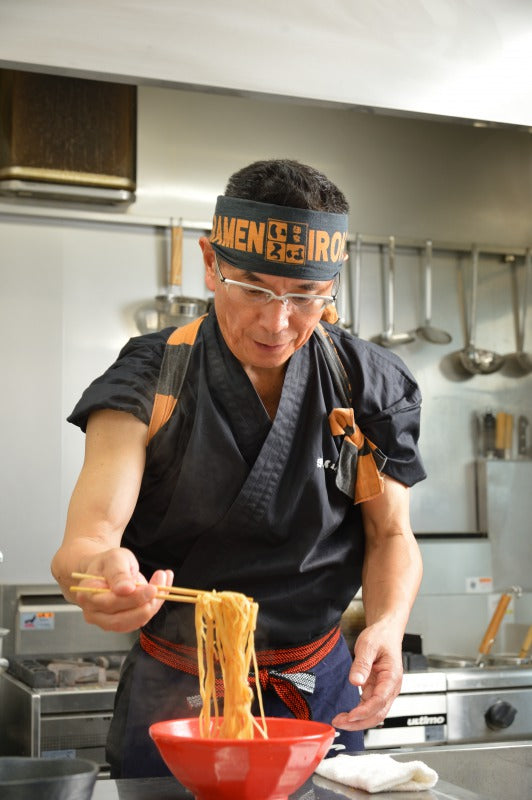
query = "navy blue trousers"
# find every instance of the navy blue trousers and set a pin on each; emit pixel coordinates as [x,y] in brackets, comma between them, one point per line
[150,691]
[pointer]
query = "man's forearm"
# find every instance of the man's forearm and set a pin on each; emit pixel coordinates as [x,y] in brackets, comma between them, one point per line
[391,578]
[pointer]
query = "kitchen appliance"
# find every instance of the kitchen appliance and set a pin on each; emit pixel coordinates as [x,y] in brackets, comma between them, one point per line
[418,715]
[461,705]
[67,139]
[58,690]
[489,704]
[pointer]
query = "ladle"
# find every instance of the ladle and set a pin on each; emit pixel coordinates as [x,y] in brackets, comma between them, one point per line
[473,359]
[523,358]
[355,288]
[388,338]
[428,331]
[171,308]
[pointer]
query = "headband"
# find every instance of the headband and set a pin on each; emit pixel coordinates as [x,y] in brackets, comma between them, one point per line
[279,240]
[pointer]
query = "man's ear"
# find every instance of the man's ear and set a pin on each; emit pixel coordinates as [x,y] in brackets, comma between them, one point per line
[208,260]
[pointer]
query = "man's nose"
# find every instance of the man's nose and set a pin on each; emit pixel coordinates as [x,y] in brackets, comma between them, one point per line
[276,313]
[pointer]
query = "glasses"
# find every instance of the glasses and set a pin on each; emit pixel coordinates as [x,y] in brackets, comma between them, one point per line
[257,296]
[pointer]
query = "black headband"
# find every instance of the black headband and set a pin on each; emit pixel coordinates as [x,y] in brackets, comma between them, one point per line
[279,240]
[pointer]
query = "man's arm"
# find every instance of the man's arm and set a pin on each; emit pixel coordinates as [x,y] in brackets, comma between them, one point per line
[390,581]
[100,508]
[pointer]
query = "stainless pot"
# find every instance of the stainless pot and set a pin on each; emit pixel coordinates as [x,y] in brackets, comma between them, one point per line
[446,661]
[484,658]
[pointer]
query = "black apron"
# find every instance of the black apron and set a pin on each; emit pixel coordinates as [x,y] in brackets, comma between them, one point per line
[231,500]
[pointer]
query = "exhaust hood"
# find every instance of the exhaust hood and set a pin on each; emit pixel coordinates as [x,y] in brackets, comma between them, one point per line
[40,190]
[67,139]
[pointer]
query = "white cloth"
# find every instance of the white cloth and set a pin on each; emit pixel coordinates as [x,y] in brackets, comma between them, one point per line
[378,773]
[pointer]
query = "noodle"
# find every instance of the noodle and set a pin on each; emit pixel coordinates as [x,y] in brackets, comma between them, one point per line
[225,625]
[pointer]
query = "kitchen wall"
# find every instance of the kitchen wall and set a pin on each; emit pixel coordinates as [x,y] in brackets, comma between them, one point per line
[69,289]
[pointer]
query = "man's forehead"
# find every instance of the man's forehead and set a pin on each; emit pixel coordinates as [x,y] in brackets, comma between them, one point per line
[267,239]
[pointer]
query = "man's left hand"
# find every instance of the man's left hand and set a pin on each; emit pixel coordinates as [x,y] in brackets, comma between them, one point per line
[378,670]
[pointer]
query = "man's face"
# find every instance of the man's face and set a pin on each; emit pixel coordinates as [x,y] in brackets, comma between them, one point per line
[261,336]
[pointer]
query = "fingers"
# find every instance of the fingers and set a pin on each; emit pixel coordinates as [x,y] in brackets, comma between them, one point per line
[377,669]
[368,714]
[131,601]
[120,570]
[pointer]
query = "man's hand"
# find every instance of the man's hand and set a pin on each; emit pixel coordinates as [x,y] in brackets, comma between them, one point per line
[378,670]
[131,601]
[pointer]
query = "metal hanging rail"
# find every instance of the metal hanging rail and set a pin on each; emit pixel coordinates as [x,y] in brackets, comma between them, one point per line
[104,217]
[109,218]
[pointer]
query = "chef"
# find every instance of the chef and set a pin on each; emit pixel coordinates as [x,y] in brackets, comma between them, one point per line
[260,449]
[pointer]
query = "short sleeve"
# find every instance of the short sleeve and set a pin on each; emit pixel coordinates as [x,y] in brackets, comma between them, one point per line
[127,385]
[387,404]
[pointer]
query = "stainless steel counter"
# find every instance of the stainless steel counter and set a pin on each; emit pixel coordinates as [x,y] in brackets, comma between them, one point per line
[498,771]
[466,773]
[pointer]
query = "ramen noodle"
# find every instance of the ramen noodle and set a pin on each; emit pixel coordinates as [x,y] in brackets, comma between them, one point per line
[225,626]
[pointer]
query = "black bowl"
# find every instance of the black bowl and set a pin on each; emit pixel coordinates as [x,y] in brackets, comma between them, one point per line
[24,778]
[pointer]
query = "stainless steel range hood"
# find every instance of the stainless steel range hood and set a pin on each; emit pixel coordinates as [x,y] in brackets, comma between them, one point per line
[67,139]
[40,190]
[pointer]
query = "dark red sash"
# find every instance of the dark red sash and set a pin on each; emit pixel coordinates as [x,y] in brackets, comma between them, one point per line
[283,670]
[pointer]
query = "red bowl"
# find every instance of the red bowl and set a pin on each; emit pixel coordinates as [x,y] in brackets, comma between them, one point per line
[243,769]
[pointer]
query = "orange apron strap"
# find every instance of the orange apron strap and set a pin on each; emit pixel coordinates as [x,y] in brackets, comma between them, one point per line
[172,374]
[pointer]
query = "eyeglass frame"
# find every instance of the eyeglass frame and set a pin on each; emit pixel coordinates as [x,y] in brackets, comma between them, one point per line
[326,299]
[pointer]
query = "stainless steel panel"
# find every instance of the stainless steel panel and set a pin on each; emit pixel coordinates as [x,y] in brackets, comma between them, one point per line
[41,621]
[466,715]
[47,723]
[488,678]
[505,512]
[495,771]
[20,728]
[75,733]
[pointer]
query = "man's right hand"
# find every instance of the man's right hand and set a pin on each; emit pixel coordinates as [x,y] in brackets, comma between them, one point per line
[131,600]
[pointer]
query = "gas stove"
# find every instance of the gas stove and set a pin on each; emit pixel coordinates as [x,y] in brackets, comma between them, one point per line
[57,692]
[60,671]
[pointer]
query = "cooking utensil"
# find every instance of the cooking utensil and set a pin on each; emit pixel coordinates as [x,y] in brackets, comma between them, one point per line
[495,622]
[355,289]
[443,661]
[473,359]
[504,429]
[523,358]
[483,657]
[243,769]
[427,330]
[177,594]
[347,300]
[522,436]
[170,309]
[506,660]
[388,337]
[25,778]
[527,644]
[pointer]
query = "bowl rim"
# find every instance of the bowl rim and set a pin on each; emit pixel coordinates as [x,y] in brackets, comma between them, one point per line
[157,729]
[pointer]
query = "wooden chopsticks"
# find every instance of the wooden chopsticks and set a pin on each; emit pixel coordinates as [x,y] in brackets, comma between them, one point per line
[176,594]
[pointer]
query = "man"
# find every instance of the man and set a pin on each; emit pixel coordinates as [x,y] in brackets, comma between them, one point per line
[262,450]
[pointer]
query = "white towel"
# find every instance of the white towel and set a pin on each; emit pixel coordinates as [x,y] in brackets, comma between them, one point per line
[378,773]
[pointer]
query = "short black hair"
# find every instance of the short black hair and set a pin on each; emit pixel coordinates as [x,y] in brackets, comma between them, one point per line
[285,182]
